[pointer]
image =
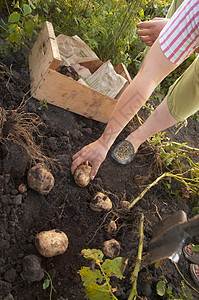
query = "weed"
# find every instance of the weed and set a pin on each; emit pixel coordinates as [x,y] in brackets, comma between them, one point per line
[196,208]
[97,280]
[43,104]
[48,283]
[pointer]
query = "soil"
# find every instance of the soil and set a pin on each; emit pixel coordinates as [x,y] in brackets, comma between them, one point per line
[66,207]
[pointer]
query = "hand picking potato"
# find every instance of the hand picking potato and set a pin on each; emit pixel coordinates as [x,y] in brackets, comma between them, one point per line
[111,248]
[40,180]
[101,203]
[82,175]
[51,243]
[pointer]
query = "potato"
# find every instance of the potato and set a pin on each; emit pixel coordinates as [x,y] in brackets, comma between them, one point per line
[82,175]
[22,188]
[111,248]
[111,227]
[125,204]
[51,243]
[40,180]
[101,203]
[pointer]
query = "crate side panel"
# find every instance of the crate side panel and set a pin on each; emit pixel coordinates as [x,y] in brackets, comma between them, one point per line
[44,55]
[69,94]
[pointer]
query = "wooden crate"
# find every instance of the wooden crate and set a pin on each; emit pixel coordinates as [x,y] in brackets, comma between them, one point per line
[49,85]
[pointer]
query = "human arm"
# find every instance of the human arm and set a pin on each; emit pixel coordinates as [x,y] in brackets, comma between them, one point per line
[154,68]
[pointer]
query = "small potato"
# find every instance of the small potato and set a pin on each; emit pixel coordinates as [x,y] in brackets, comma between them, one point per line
[51,243]
[82,175]
[22,188]
[111,248]
[125,204]
[40,180]
[101,203]
[111,227]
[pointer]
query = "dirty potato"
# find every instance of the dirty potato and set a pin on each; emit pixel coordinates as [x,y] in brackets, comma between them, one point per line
[111,248]
[82,175]
[111,227]
[40,180]
[125,204]
[101,202]
[51,243]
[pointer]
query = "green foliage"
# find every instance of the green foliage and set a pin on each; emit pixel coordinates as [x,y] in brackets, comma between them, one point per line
[43,104]
[20,27]
[196,208]
[161,288]
[195,248]
[176,158]
[97,280]
[48,283]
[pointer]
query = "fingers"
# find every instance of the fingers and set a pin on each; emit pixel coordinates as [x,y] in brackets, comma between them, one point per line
[145,39]
[76,162]
[94,170]
[143,32]
[146,24]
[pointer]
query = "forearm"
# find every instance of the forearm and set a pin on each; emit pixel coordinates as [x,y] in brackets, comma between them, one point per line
[154,68]
[129,104]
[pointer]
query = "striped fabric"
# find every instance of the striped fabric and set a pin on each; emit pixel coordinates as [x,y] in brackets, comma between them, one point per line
[180,37]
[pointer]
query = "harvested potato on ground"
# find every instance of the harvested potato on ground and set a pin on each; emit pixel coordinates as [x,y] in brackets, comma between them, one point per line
[101,203]
[82,175]
[40,180]
[125,204]
[22,188]
[111,248]
[51,243]
[111,227]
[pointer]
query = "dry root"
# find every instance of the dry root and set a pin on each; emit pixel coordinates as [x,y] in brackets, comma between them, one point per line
[21,127]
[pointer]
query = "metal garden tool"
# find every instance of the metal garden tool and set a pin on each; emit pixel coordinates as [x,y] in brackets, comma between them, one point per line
[169,236]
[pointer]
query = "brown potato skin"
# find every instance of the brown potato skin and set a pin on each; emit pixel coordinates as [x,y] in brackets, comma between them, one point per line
[111,248]
[82,175]
[40,179]
[51,243]
[101,203]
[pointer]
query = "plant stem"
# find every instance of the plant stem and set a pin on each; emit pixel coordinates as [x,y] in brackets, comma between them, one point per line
[134,275]
[185,279]
[146,190]
[51,285]
[107,282]
[184,145]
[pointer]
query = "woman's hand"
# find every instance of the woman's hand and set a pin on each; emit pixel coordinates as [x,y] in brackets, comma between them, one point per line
[151,30]
[94,153]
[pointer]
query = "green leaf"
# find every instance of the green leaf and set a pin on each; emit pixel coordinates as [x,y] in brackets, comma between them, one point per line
[31,4]
[94,254]
[29,25]
[195,248]
[113,266]
[169,290]
[99,292]
[88,276]
[27,9]
[14,17]
[15,37]
[160,287]
[195,209]
[46,284]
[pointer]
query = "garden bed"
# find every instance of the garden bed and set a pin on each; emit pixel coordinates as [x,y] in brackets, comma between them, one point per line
[66,207]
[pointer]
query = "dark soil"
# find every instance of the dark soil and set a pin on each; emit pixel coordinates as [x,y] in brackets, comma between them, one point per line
[66,207]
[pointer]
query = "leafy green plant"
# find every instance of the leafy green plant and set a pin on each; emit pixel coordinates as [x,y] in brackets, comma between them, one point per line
[48,283]
[196,208]
[43,104]
[97,280]
[20,26]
